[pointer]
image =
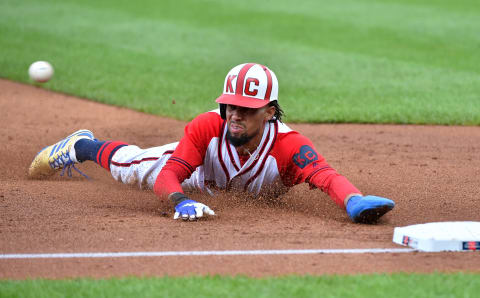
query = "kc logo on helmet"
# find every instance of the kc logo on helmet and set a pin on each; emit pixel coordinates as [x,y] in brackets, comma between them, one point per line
[249,85]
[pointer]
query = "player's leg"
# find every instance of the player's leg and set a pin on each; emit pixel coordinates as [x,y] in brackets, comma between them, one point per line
[130,164]
[137,166]
[127,163]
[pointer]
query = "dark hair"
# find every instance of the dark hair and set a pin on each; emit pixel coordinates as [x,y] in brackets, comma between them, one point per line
[278,111]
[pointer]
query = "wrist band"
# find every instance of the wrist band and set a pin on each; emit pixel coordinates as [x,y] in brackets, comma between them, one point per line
[177,198]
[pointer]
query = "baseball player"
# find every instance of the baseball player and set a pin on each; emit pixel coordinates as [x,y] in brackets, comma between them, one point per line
[242,147]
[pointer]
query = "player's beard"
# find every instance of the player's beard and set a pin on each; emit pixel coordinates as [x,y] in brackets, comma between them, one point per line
[240,141]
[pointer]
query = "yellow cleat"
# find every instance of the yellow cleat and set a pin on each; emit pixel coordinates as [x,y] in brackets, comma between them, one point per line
[58,156]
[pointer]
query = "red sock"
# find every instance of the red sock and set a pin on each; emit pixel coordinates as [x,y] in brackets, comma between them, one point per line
[105,153]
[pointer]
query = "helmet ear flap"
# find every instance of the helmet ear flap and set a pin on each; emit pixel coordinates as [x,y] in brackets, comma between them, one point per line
[223,111]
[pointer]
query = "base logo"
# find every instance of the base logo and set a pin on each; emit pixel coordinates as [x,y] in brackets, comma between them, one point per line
[471,245]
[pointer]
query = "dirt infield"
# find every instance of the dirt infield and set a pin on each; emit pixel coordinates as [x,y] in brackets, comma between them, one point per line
[432,173]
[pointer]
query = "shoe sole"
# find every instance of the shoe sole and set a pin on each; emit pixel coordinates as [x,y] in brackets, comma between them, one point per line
[371,216]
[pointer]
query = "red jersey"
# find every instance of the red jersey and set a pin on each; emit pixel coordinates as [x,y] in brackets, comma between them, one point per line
[204,159]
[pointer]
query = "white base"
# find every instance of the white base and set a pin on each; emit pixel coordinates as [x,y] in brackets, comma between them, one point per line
[440,236]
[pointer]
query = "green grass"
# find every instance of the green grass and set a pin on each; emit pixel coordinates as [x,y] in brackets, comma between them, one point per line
[395,285]
[392,61]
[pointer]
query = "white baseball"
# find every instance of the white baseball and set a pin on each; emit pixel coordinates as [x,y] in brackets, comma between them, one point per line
[40,71]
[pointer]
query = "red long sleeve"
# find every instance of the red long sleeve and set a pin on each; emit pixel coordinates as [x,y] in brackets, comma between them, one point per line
[300,162]
[168,180]
[335,185]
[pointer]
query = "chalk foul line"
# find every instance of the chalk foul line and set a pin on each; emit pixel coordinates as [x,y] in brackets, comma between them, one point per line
[204,253]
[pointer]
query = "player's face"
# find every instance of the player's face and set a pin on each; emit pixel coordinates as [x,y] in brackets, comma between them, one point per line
[244,124]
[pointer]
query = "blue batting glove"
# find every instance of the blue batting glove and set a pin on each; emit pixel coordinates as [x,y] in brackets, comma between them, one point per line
[188,209]
[368,209]
[185,209]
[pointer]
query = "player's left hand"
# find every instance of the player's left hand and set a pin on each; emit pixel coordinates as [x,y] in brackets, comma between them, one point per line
[368,209]
[191,210]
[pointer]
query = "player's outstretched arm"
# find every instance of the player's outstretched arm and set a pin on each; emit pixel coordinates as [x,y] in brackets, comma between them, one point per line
[188,209]
[168,182]
[367,209]
[360,209]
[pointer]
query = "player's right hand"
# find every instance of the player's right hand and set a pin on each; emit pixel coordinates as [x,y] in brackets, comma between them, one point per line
[191,210]
[187,208]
